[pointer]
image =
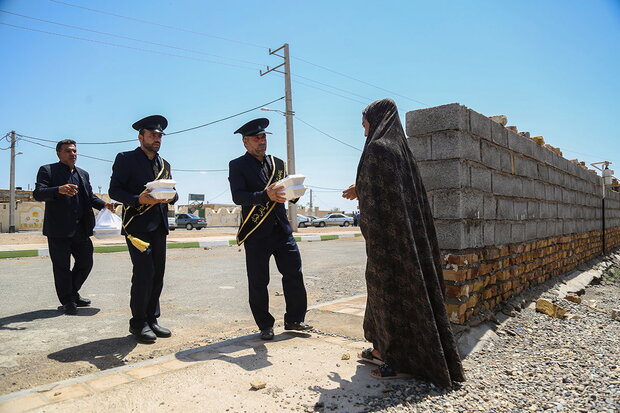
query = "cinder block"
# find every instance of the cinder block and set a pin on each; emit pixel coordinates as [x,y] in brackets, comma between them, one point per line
[473,234]
[533,209]
[502,233]
[541,229]
[450,234]
[421,147]
[489,207]
[472,204]
[489,155]
[520,209]
[505,159]
[568,196]
[543,172]
[518,143]
[488,233]
[499,134]
[422,121]
[517,232]
[451,144]
[480,178]
[505,208]
[540,190]
[480,125]
[444,174]
[529,188]
[537,153]
[503,184]
[568,226]
[530,230]
[447,204]
[558,194]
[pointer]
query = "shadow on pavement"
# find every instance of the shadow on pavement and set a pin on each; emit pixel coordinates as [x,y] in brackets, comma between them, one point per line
[103,354]
[27,317]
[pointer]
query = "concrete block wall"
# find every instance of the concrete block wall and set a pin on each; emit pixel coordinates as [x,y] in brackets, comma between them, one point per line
[509,213]
[490,186]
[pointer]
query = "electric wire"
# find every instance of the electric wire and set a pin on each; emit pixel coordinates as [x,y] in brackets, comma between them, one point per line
[171,133]
[52,147]
[297,82]
[159,24]
[359,80]
[130,38]
[320,187]
[127,47]
[333,87]
[326,134]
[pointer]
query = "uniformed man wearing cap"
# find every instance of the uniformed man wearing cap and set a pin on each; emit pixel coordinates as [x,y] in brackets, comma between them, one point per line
[145,224]
[265,231]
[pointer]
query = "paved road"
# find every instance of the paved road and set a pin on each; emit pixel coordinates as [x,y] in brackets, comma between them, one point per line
[204,300]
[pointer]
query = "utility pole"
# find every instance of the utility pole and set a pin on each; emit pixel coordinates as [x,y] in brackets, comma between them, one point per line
[12,204]
[310,200]
[290,140]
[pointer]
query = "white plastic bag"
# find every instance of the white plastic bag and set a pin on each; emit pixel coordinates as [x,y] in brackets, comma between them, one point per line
[107,224]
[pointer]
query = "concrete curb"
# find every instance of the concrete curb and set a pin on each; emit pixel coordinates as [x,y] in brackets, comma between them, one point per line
[42,252]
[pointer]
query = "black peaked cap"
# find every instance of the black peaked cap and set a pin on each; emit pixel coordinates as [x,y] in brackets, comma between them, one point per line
[254,127]
[155,123]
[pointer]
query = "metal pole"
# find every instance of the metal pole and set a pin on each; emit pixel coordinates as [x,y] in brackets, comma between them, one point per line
[12,204]
[290,139]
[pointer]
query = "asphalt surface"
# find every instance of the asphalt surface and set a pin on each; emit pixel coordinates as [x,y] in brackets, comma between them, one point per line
[204,301]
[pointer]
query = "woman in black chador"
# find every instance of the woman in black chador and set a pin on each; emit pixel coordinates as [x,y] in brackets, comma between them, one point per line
[405,320]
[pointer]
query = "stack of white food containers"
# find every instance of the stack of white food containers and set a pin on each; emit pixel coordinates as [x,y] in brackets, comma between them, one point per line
[162,188]
[293,186]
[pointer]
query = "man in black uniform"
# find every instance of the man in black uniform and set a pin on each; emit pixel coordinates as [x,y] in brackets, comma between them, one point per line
[68,223]
[145,224]
[265,230]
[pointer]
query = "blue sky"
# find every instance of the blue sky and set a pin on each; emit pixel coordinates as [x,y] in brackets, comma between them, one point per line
[551,67]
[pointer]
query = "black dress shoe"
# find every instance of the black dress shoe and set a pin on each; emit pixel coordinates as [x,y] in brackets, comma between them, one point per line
[159,330]
[297,325]
[82,302]
[69,308]
[143,334]
[266,334]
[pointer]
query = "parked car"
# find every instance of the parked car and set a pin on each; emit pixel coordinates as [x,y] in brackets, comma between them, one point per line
[303,221]
[333,219]
[190,221]
[312,217]
[172,223]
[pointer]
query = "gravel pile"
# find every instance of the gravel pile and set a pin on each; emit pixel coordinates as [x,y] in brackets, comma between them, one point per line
[534,363]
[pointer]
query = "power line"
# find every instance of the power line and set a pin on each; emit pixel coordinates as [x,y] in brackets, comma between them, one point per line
[297,82]
[171,133]
[334,87]
[52,147]
[320,187]
[326,134]
[126,47]
[228,117]
[130,38]
[200,170]
[159,24]
[359,80]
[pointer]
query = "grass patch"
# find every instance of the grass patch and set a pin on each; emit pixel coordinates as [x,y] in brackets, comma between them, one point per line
[232,242]
[111,248]
[329,237]
[184,245]
[17,254]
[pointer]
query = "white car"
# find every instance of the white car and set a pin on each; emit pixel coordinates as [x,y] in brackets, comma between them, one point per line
[333,219]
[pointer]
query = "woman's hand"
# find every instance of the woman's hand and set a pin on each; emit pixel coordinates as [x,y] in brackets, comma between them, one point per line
[350,193]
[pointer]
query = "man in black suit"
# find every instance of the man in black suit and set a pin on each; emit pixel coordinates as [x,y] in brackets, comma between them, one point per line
[68,223]
[265,230]
[145,224]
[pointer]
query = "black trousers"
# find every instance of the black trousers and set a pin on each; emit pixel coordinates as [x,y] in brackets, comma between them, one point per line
[147,280]
[288,260]
[67,280]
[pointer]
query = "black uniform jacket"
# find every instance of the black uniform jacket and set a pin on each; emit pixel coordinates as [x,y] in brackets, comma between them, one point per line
[59,219]
[247,186]
[130,173]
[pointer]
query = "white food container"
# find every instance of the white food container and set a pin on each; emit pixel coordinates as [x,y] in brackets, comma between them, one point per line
[161,183]
[106,232]
[293,192]
[292,180]
[163,193]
